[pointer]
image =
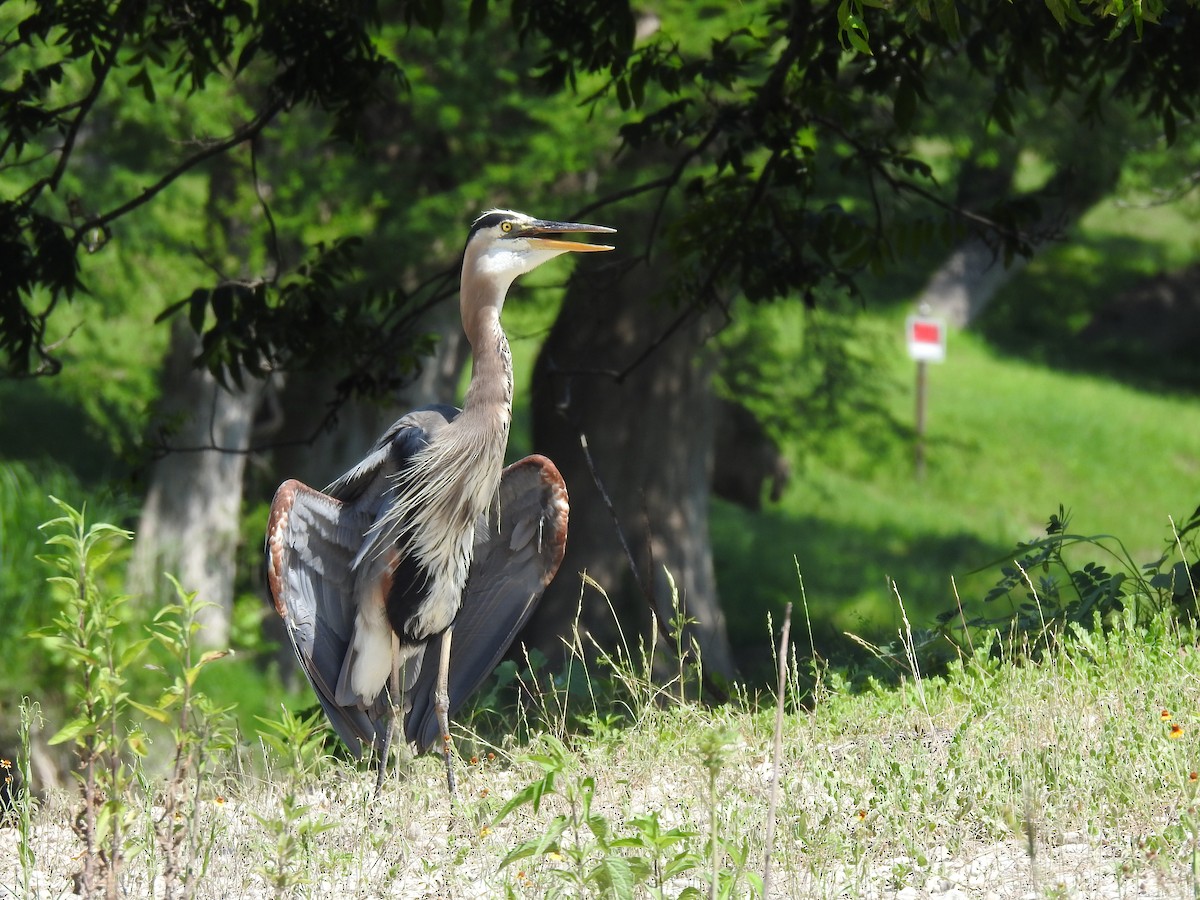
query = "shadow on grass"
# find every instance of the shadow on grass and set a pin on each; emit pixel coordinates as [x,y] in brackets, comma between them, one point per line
[847,573]
[1039,314]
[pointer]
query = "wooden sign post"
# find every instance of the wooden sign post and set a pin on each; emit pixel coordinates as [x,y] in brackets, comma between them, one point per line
[926,338]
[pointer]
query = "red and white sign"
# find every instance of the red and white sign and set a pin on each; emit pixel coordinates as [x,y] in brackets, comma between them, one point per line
[926,338]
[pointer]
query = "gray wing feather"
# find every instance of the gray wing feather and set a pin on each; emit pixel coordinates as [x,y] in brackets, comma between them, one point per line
[310,544]
[516,556]
[313,538]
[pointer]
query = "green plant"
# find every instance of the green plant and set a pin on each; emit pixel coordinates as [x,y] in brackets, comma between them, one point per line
[200,730]
[292,833]
[579,844]
[1069,594]
[26,803]
[298,743]
[103,646]
[86,631]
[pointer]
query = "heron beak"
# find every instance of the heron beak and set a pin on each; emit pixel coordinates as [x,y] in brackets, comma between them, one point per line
[540,234]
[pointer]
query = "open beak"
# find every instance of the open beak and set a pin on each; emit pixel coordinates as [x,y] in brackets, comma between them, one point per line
[540,233]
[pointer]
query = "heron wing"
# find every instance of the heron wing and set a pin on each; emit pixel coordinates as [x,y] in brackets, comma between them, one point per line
[516,555]
[313,540]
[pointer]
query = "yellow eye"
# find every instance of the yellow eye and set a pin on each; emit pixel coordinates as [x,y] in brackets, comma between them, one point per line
[506,227]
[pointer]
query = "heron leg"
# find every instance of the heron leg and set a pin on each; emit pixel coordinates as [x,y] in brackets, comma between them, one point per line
[441,706]
[394,704]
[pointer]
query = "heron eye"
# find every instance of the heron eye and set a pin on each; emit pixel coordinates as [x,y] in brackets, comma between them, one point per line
[506,227]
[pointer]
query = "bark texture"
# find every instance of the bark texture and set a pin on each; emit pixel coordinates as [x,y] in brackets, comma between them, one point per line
[189,520]
[650,435]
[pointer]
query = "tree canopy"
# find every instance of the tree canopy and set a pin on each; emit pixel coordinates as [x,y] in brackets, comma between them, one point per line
[786,129]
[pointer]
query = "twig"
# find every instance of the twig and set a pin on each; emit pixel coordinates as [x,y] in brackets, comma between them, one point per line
[273,242]
[101,73]
[243,134]
[777,751]
[647,592]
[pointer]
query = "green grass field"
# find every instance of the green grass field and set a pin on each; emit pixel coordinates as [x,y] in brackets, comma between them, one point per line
[1008,441]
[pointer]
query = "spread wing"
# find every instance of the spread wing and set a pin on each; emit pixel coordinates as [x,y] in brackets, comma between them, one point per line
[313,539]
[515,557]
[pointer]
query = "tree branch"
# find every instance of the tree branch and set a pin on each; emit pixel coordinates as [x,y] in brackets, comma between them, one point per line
[85,106]
[247,132]
[714,690]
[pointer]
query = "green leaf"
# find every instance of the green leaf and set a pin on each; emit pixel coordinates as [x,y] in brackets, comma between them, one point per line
[547,843]
[531,793]
[73,730]
[210,656]
[154,712]
[614,875]
[130,654]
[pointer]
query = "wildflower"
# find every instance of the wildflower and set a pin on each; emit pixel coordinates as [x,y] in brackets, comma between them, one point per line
[491,757]
[219,800]
[483,792]
[1193,777]
[1176,731]
[862,815]
[554,856]
[5,764]
[474,760]
[1165,715]
[484,831]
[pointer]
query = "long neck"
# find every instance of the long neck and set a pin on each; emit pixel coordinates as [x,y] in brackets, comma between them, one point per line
[490,392]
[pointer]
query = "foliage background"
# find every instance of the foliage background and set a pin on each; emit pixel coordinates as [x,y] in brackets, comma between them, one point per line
[470,114]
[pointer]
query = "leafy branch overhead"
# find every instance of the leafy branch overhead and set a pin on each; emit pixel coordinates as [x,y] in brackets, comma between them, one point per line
[785,130]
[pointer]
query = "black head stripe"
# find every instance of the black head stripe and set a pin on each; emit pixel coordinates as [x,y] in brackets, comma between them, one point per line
[487,220]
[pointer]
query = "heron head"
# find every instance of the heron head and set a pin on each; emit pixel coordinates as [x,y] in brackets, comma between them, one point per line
[504,244]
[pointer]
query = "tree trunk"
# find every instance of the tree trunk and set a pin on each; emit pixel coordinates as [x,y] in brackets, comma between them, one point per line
[650,435]
[965,283]
[317,455]
[189,521]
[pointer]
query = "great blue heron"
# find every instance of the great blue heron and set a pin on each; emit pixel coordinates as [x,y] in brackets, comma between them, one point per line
[428,536]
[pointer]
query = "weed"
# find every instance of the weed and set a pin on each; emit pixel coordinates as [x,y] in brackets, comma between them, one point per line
[83,632]
[91,634]
[299,743]
[199,730]
[25,801]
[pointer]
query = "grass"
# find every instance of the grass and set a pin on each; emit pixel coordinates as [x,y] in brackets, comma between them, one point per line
[1008,441]
[1057,778]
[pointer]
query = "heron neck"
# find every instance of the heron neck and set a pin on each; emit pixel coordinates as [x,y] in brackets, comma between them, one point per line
[491,385]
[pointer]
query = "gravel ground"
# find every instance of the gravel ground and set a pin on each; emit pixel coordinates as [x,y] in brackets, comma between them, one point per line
[408,845]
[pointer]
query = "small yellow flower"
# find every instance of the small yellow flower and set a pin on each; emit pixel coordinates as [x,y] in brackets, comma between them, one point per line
[219,800]
[483,792]
[862,815]
[485,831]
[1176,731]
[5,764]
[554,856]
[1165,715]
